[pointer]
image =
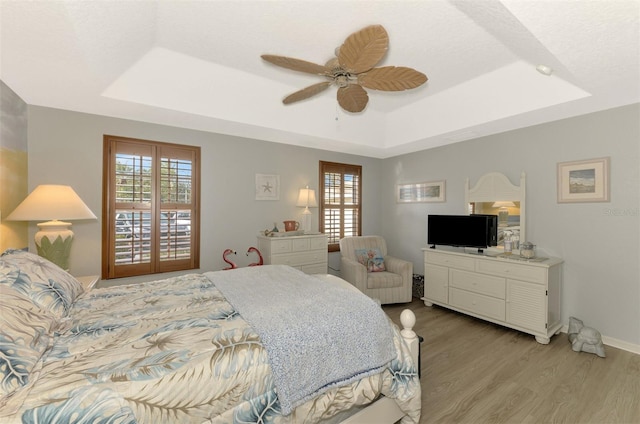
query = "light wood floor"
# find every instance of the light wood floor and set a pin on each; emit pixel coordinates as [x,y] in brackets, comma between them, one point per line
[478,372]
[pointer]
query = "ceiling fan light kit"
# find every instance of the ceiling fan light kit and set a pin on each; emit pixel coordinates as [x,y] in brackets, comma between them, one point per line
[352,70]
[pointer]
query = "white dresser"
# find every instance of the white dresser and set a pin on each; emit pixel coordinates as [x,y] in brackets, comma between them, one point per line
[308,252]
[523,295]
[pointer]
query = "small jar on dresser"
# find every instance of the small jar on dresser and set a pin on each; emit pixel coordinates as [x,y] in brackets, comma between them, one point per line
[307,253]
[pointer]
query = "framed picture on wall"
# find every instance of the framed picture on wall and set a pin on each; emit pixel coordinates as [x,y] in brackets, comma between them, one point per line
[432,191]
[583,181]
[267,187]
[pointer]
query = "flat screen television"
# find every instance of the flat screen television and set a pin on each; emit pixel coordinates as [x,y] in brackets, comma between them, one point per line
[478,231]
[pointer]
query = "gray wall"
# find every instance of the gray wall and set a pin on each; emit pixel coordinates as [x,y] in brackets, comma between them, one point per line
[66,148]
[598,241]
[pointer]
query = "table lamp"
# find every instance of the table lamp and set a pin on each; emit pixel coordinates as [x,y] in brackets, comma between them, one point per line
[306,199]
[53,203]
[503,211]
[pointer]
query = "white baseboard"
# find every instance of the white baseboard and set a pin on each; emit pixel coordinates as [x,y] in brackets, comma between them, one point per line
[610,341]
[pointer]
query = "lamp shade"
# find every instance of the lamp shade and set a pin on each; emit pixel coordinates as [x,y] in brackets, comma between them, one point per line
[51,202]
[504,204]
[307,198]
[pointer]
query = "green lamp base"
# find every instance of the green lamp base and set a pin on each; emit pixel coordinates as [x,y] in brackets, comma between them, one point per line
[53,242]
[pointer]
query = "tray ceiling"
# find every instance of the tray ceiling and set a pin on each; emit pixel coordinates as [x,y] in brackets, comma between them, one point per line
[196,64]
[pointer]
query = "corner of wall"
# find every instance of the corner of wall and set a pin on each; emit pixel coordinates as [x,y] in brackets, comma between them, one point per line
[13,166]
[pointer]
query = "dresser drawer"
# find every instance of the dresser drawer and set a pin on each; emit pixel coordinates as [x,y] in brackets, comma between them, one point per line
[478,283]
[533,274]
[302,258]
[280,246]
[300,244]
[449,260]
[477,303]
[318,243]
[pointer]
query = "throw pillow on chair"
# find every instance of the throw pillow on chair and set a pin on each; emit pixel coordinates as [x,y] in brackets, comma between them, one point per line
[371,258]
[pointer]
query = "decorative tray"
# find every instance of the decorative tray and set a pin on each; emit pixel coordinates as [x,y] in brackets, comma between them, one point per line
[287,233]
[519,258]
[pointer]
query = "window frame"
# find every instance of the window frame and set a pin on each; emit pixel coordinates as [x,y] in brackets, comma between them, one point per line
[343,169]
[155,208]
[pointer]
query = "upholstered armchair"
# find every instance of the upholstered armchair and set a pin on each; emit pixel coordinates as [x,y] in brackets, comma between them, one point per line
[393,285]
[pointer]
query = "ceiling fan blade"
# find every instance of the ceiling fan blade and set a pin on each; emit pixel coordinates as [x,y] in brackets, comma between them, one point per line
[352,98]
[296,64]
[363,49]
[392,78]
[305,93]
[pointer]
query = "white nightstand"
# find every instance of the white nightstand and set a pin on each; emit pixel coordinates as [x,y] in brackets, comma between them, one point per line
[88,281]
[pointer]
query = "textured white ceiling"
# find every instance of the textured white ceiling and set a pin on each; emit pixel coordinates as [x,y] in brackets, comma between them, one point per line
[196,64]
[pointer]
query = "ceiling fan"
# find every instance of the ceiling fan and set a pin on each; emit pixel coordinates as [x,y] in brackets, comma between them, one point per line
[352,70]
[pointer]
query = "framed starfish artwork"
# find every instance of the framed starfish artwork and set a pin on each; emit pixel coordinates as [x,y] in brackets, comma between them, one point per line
[267,187]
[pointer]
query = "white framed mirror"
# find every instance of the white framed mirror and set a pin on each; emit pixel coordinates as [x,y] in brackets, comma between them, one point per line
[494,194]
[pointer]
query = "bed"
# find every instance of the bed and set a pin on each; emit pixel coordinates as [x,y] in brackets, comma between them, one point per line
[199,348]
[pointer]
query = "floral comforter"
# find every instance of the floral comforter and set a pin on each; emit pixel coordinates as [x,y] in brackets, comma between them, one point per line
[175,351]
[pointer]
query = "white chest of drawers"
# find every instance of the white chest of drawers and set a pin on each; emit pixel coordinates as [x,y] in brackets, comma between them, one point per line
[308,253]
[523,295]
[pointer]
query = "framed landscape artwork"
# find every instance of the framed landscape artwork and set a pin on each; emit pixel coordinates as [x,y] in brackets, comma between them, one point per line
[433,191]
[583,181]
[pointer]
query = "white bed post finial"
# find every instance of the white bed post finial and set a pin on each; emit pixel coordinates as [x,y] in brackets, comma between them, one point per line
[408,320]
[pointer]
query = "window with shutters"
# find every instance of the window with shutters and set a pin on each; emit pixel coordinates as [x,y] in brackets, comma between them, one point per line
[340,201]
[151,216]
